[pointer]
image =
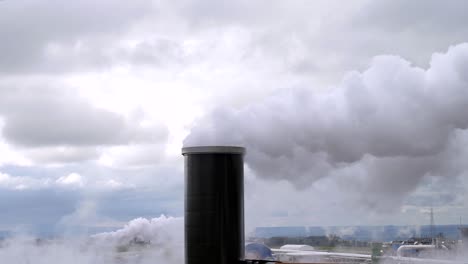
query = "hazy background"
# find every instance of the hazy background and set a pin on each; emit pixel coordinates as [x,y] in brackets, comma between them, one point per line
[97,97]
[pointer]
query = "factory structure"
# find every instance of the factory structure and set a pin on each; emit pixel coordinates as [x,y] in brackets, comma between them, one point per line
[464,237]
[214,205]
[214,222]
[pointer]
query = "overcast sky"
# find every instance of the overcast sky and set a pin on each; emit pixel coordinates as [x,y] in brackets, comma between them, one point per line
[352,112]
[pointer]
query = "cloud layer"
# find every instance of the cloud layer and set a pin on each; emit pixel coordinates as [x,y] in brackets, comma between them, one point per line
[53,124]
[109,90]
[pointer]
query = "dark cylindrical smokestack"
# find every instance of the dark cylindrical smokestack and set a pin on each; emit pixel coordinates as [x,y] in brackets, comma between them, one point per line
[214,204]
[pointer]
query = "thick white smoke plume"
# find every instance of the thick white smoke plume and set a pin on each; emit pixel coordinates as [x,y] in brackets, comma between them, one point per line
[141,241]
[379,131]
[163,233]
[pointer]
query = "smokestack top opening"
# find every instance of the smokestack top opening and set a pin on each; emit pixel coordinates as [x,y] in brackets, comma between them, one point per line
[213,150]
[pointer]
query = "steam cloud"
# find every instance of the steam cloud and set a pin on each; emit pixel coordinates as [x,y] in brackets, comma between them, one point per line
[379,132]
[141,241]
[160,232]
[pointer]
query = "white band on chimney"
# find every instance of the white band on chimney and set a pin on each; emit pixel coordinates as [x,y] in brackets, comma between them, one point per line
[213,150]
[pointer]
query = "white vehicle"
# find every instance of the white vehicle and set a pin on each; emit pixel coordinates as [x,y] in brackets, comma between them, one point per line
[422,254]
[307,254]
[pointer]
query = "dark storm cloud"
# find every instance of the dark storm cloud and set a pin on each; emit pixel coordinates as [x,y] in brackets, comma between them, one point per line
[380,132]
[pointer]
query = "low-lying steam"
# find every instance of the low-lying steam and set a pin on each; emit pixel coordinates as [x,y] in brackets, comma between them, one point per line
[141,241]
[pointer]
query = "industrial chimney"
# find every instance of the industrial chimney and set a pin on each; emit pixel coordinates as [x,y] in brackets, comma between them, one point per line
[214,204]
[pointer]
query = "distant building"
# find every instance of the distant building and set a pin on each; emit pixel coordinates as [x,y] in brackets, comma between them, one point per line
[297,247]
[464,234]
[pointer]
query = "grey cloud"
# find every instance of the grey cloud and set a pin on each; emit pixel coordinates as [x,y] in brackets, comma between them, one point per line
[441,199]
[38,117]
[35,208]
[383,129]
[225,12]
[140,203]
[438,193]
[157,51]
[62,154]
[44,210]
[138,155]
[55,125]
[412,29]
[156,191]
[55,37]
[342,38]
[420,15]
[29,28]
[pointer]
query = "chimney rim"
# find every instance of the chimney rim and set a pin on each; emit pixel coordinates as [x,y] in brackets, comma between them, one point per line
[213,150]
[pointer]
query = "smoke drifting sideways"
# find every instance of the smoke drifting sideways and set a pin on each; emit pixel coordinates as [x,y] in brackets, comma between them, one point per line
[141,241]
[378,133]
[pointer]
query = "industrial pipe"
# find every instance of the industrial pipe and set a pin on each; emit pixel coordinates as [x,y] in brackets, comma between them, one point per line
[214,204]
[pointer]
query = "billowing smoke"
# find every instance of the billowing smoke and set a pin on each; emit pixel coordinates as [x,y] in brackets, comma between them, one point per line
[379,132]
[163,233]
[141,241]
